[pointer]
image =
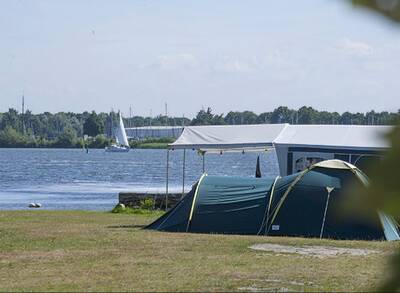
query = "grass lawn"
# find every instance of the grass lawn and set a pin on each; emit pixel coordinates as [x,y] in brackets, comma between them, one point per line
[152,145]
[94,251]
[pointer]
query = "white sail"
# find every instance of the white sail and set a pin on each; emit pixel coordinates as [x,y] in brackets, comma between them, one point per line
[120,134]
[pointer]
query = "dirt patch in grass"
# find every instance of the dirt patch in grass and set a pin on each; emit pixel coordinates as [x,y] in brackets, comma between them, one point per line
[312,250]
[276,285]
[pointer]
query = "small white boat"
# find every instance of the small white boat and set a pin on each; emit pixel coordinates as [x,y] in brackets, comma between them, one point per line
[117,148]
[122,144]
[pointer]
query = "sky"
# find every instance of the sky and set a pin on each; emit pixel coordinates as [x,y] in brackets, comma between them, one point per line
[77,55]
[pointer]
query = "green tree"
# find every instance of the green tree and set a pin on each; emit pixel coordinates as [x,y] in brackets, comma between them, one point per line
[11,119]
[358,118]
[207,118]
[346,118]
[306,115]
[93,125]
[282,115]
[233,118]
[325,117]
[264,118]
[246,117]
[9,137]
[249,117]
[67,139]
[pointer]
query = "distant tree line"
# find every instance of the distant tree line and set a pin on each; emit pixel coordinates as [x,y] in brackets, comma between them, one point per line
[66,129]
[303,115]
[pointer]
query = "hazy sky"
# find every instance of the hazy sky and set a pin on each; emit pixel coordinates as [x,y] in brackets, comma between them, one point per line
[77,55]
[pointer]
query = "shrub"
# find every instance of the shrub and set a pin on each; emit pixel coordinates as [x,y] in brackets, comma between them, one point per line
[147,204]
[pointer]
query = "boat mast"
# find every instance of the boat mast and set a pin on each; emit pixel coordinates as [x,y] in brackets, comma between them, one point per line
[166,114]
[23,112]
[130,117]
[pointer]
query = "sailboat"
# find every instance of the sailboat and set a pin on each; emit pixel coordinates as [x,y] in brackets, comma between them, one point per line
[122,144]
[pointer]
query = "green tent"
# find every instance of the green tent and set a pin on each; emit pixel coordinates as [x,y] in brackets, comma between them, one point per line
[216,204]
[306,204]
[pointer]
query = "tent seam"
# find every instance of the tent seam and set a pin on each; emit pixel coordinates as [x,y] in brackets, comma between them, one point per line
[266,216]
[288,190]
[194,201]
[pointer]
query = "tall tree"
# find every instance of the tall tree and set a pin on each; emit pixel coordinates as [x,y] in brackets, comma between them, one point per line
[93,125]
[207,118]
[307,115]
[282,115]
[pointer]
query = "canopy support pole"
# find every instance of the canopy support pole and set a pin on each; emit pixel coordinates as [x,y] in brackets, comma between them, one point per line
[167,181]
[183,172]
[204,166]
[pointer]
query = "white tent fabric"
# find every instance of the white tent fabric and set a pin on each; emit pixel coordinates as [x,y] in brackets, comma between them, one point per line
[335,164]
[242,137]
[225,137]
[359,137]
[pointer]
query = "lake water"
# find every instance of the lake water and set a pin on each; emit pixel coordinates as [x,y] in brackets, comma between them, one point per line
[72,179]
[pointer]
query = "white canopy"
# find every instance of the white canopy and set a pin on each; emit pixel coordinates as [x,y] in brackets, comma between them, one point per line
[361,137]
[261,136]
[225,137]
[281,136]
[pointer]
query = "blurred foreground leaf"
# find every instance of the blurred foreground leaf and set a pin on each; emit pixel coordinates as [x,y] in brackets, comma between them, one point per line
[384,194]
[388,8]
[384,191]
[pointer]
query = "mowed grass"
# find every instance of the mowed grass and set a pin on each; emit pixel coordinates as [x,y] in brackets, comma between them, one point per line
[95,251]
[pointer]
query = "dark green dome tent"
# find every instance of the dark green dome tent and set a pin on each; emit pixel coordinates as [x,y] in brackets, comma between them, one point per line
[228,205]
[309,203]
[304,204]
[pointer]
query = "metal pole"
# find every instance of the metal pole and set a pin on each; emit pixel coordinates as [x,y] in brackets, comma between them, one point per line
[204,167]
[329,189]
[166,185]
[183,172]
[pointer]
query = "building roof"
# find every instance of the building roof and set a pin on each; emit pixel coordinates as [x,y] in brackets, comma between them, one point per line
[334,136]
[157,127]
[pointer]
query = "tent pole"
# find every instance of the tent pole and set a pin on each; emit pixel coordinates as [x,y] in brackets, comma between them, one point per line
[183,172]
[166,184]
[329,189]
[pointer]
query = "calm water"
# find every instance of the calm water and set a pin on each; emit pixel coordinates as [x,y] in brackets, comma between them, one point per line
[72,179]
